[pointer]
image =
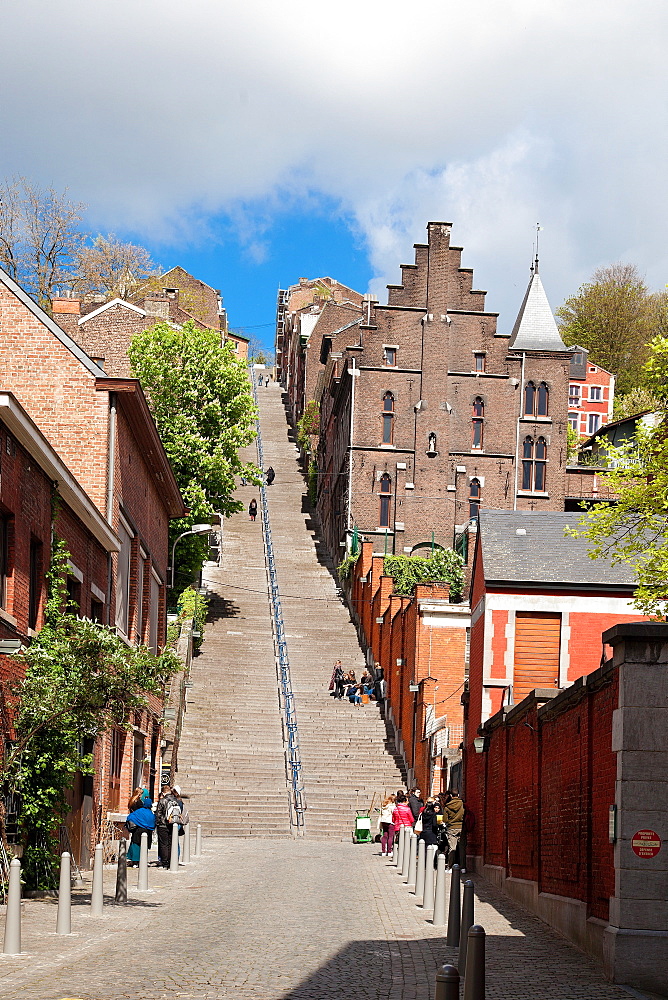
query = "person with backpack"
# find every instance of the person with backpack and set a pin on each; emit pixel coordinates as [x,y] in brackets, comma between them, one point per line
[167,813]
[252,509]
[453,820]
[271,475]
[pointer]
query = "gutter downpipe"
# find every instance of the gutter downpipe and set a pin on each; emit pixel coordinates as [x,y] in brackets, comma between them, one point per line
[353,372]
[517,434]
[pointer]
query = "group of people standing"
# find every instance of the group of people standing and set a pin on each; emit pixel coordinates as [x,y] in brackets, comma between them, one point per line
[439,821]
[143,818]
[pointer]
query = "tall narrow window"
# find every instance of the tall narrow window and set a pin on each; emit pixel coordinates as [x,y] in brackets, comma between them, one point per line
[4,557]
[529,399]
[543,400]
[574,394]
[35,587]
[534,465]
[390,357]
[475,496]
[479,361]
[388,418]
[478,421]
[123,581]
[385,500]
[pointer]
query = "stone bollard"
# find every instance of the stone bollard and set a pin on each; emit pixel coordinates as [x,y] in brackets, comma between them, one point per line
[97,892]
[474,983]
[438,920]
[428,894]
[406,854]
[410,852]
[412,862]
[419,878]
[400,846]
[142,877]
[395,849]
[122,873]
[198,841]
[454,913]
[12,945]
[64,917]
[186,845]
[447,983]
[174,854]
[467,923]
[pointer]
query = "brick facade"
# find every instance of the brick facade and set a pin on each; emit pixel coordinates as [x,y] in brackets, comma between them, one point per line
[591,394]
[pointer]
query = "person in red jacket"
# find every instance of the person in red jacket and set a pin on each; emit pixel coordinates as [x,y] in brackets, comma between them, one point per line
[401,814]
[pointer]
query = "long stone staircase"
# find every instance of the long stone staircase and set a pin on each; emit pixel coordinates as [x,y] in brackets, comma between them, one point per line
[231,756]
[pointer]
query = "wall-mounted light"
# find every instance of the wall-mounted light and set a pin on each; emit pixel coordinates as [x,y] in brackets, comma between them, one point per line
[481,744]
[9,646]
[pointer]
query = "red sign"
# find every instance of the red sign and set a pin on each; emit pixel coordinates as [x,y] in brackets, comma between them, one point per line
[646,843]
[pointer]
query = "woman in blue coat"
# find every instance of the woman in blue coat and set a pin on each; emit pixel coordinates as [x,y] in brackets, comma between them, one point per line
[141,819]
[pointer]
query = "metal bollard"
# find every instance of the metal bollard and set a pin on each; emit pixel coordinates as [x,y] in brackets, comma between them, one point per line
[186,845]
[174,854]
[64,917]
[198,841]
[447,983]
[12,945]
[406,854]
[395,849]
[97,892]
[142,877]
[467,923]
[122,873]
[428,894]
[406,875]
[438,919]
[400,846]
[419,879]
[454,913]
[474,983]
[412,861]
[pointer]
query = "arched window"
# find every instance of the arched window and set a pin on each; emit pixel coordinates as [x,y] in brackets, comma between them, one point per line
[529,399]
[534,465]
[478,421]
[385,500]
[388,418]
[475,496]
[536,400]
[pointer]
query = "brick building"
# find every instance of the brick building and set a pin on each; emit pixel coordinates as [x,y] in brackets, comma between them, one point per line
[102,430]
[591,394]
[420,642]
[299,333]
[430,411]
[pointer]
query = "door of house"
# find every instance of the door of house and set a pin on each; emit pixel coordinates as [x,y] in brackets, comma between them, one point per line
[537,648]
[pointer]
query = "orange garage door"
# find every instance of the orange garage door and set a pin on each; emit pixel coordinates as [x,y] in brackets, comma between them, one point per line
[537,643]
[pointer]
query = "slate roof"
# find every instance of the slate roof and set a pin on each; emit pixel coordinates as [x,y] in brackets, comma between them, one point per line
[535,327]
[543,554]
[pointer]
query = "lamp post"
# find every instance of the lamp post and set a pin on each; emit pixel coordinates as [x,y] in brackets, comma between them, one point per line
[197,529]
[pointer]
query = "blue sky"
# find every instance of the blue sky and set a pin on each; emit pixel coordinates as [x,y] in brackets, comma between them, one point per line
[255,144]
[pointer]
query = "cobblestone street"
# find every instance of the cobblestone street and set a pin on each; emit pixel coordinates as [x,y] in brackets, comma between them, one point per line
[282,920]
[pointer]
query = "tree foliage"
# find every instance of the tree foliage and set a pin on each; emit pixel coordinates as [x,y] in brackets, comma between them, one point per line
[80,679]
[39,236]
[635,529]
[201,401]
[615,317]
[444,566]
[308,425]
[110,267]
[638,400]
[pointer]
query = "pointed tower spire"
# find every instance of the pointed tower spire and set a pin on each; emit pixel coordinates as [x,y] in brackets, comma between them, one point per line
[535,327]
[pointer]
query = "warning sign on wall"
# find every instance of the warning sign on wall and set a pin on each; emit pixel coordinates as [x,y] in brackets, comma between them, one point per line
[646,843]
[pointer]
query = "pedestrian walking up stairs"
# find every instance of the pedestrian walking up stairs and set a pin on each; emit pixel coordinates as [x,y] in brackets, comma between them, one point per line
[346,753]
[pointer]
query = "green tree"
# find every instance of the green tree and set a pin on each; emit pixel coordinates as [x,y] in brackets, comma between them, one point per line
[80,679]
[636,401]
[635,528]
[201,400]
[614,317]
[308,425]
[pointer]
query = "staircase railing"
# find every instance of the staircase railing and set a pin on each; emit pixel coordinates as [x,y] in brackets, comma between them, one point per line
[293,760]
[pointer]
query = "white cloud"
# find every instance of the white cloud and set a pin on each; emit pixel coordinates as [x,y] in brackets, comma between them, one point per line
[493,114]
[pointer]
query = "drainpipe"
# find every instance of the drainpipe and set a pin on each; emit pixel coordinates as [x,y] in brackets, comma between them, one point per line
[517,435]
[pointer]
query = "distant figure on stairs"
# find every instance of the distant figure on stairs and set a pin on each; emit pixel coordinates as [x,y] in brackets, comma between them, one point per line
[336,686]
[271,475]
[252,509]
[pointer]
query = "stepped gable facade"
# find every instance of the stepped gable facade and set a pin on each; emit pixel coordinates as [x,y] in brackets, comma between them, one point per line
[432,411]
[298,346]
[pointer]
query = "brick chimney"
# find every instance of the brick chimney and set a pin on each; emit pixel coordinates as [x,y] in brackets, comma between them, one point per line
[65,305]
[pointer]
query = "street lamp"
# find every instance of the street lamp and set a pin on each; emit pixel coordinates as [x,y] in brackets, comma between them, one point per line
[9,646]
[197,529]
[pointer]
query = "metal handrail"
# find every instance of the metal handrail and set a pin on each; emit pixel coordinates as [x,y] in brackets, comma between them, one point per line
[293,760]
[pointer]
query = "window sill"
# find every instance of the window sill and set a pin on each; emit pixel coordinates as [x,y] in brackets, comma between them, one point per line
[390,447]
[6,617]
[535,420]
[531,493]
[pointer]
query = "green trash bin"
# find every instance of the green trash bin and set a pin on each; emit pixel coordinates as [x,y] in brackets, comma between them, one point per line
[362,831]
